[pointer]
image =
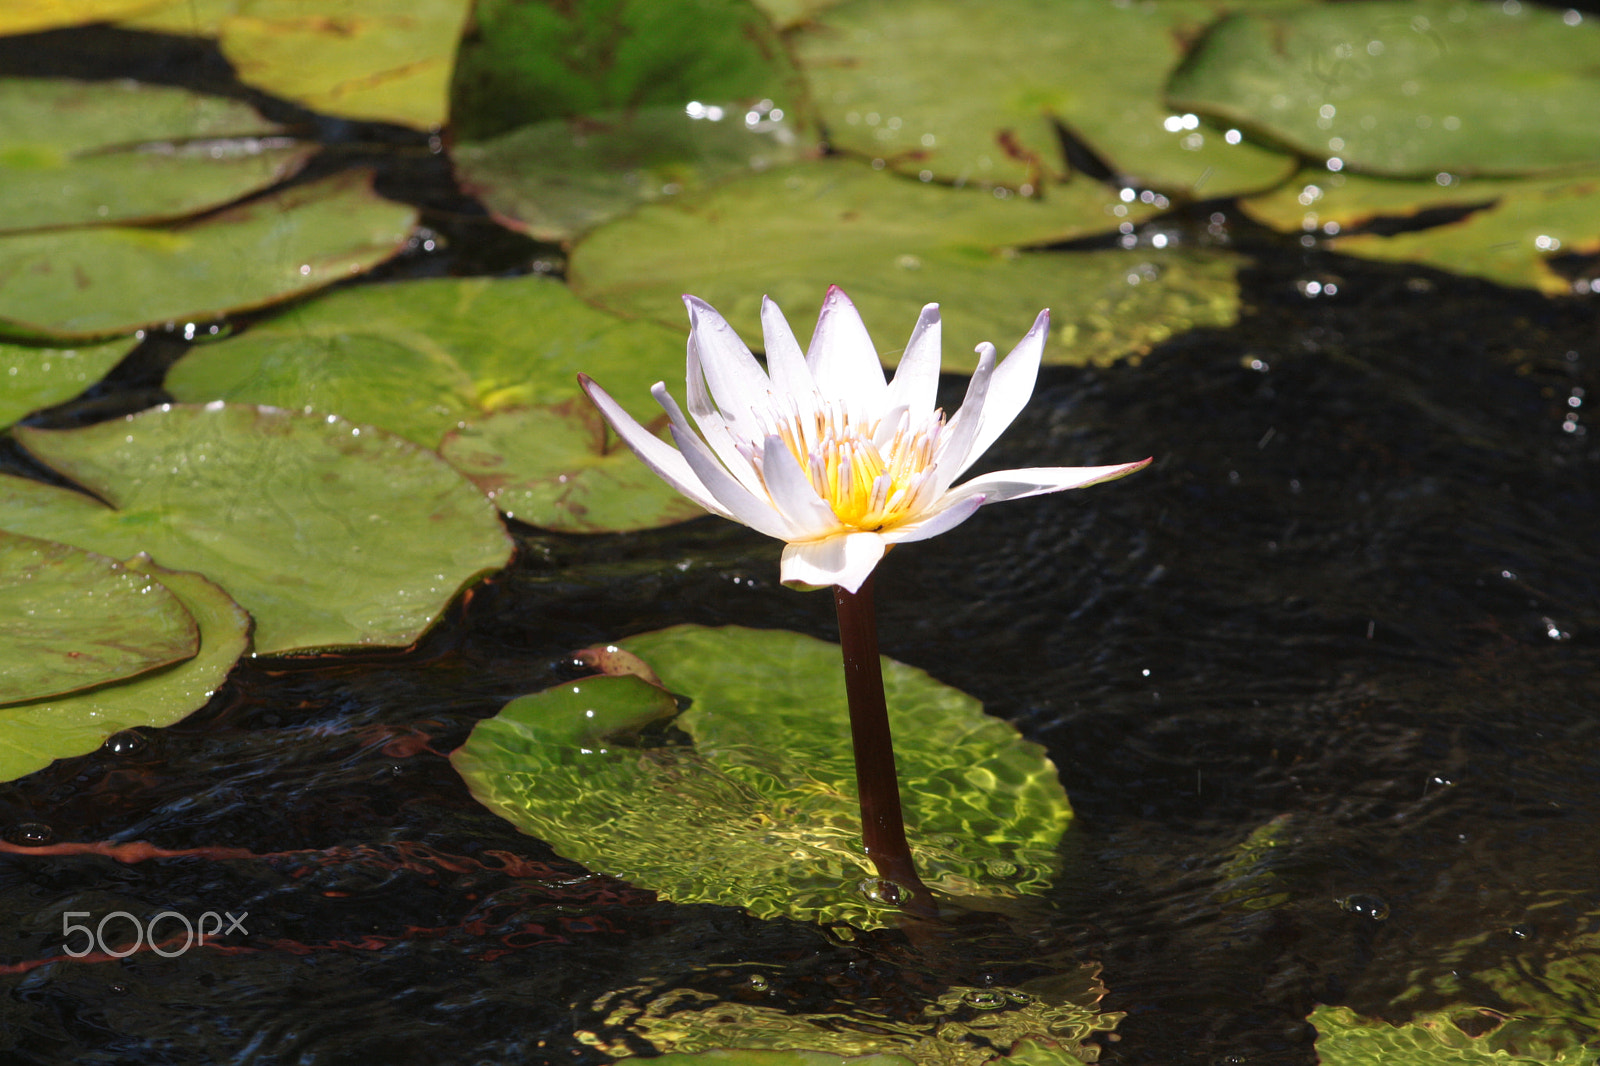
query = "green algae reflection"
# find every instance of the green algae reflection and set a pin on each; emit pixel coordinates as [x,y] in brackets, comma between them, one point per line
[747,798]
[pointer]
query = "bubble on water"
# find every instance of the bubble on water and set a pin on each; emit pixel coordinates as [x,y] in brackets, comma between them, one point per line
[30,834]
[985,999]
[127,742]
[884,892]
[1365,905]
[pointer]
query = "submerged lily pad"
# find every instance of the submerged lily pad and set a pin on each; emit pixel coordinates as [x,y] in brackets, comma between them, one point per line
[328,533]
[526,63]
[98,152]
[32,735]
[1049,1021]
[1436,1038]
[895,244]
[376,60]
[760,812]
[493,363]
[32,378]
[563,468]
[918,85]
[70,620]
[559,178]
[106,280]
[1406,87]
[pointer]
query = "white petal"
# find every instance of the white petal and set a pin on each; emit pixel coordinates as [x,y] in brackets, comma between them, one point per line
[738,502]
[786,363]
[792,493]
[842,358]
[666,462]
[958,436]
[737,381]
[1038,480]
[845,560]
[1010,388]
[916,379]
[936,522]
[714,427]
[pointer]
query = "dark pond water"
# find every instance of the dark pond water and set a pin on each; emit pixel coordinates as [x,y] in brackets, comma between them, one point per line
[1355,598]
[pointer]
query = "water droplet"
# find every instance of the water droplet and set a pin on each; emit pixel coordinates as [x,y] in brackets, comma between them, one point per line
[759,983]
[883,892]
[127,742]
[30,834]
[985,999]
[1367,906]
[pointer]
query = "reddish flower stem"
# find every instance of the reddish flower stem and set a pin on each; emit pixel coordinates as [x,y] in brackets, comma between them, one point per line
[882,825]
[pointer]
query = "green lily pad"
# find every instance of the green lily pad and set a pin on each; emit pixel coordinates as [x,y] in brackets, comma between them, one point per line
[1437,1038]
[376,60]
[32,16]
[328,533]
[1510,242]
[1048,1021]
[563,468]
[96,152]
[893,245]
[760,812]
[559,178]
[1406,87]
[70,620]
[105,280]
[527,63]
[32,735]
[32,378]
[492,363]
[917,85]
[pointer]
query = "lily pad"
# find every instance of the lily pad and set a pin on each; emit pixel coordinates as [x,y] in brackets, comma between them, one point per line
[375,60]
[563,468]
[1049,1021]
[1510,242]
[1406,87]
[917,85]
[526,63]
[96,152]
[1437,1038]
[328,533]
[32,735]
[760,811]
[32,378]
[105,280]
[493,363]
[895,244]
[560,178]
[70,620]
[31,16]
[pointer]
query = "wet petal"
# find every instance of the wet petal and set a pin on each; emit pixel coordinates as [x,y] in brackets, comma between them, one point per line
[737,382]
[738,502]
[786,363]
[665,461]
[916,379]
[842,358]
[1009,389]
[843,560]
[955,443]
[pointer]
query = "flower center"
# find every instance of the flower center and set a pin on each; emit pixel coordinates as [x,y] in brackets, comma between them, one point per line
[873,474]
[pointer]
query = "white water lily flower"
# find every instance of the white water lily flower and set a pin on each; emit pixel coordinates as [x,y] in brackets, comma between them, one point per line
[819,451]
